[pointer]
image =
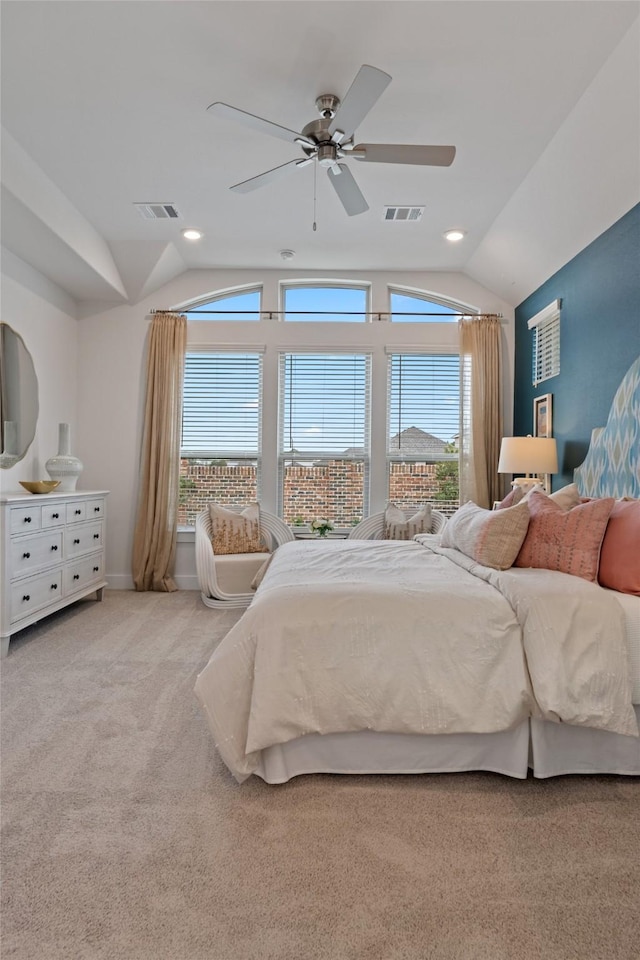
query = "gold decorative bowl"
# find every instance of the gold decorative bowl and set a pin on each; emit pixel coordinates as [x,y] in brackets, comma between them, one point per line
[39,486]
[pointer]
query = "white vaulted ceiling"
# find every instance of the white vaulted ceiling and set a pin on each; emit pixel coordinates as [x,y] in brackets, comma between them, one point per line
[104,105]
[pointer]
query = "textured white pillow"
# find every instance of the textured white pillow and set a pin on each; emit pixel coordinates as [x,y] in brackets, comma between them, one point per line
[490,537]
[233,532]
[397,527]
[566,497]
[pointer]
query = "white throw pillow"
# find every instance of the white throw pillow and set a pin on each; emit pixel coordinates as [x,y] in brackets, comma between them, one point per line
[397,527]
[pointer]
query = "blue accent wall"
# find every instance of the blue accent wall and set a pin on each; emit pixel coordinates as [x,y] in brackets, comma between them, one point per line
[599,340]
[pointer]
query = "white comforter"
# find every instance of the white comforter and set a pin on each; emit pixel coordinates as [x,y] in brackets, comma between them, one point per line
[411,638]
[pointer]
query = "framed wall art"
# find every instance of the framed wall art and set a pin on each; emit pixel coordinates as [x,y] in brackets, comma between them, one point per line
[543,425]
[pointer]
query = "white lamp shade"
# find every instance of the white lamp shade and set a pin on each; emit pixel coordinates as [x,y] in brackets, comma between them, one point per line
[528,455]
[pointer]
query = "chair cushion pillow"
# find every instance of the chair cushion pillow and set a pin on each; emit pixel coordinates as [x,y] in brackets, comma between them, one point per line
[565,540]
[235,532]
[397,527]
[490,537]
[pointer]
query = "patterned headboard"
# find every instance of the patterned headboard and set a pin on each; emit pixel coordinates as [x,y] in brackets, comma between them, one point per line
[611,467]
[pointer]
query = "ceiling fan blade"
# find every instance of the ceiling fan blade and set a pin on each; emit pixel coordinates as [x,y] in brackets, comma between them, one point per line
[257,123]
[246,186]
[347,189]
[429,156]
[368,85]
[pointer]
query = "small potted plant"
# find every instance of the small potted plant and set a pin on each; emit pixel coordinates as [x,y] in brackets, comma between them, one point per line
[321,526]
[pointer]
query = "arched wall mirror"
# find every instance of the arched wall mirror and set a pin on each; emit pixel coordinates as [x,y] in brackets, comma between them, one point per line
[18,397]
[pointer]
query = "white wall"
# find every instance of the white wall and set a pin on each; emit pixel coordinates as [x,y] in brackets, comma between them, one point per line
[111,375]
[45,318]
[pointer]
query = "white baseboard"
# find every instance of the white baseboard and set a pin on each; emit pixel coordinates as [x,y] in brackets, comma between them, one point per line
[123,581]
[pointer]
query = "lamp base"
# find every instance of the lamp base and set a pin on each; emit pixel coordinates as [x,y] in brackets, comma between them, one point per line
[527,483]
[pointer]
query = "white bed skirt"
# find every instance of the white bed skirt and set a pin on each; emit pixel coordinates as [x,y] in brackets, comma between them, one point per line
[506,752]
[549,749]
[558,748]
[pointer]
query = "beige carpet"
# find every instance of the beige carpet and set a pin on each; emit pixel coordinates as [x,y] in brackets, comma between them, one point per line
[126,839]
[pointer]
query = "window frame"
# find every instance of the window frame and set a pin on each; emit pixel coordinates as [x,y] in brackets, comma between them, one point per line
[458,309]
[228,294]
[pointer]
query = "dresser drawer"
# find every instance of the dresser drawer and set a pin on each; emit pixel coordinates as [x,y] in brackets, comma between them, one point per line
[82,572]
[53,515]
[25,519]
[95,509]
[33,593]
[76,511]
[83,539]
[30,553]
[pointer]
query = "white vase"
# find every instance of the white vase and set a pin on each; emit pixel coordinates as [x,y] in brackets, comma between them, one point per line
[64,467]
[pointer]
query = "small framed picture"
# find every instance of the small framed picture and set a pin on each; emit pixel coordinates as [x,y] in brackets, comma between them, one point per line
[543,425]
[542,416]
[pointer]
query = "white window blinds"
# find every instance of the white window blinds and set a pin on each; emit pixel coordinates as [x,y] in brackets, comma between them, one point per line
[423,406]
[546,343]
[324,404]
[221,405]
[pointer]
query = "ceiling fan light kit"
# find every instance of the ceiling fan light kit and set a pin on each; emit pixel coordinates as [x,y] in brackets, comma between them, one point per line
[329,140]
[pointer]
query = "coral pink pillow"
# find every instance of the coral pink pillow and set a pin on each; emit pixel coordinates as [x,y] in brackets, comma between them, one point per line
[514,496]
[620,554]
[565,540]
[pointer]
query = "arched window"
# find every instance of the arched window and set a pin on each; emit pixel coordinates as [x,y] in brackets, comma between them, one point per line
[413,308]
[325,302]
[239,305]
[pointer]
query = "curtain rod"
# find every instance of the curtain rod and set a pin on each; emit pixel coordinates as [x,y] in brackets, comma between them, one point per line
[345,313]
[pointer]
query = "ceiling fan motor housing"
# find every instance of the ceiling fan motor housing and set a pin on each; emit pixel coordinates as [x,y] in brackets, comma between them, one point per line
[327,104]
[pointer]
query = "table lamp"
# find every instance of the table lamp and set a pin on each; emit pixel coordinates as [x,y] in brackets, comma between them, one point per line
[533,456]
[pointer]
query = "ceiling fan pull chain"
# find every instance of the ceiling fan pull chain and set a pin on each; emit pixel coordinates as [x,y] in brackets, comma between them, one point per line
[315,186]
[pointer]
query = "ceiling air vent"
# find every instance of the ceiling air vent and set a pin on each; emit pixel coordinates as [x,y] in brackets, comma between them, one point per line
[157,211]
[403,213]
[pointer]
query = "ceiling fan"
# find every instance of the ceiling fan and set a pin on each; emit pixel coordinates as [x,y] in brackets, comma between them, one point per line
[329,140]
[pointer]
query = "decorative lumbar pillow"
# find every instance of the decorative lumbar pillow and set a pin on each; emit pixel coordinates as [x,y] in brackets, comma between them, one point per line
[490,537]
[233,532]
[620,554]
[397,527]
[565,540]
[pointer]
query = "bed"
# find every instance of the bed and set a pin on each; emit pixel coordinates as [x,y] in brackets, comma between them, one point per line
[415,657]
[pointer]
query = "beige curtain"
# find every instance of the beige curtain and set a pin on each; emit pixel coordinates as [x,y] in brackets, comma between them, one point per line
[154,544]
[481,429]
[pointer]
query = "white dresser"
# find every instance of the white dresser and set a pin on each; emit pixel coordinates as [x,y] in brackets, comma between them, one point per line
[52,554]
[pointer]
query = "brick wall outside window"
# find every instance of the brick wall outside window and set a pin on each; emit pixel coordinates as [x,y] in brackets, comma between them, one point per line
[333,489]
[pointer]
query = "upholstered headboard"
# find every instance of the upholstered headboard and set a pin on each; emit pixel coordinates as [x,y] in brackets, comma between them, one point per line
[611,467]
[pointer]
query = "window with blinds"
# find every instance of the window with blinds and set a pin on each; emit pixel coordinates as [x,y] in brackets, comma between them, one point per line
[220,449]
[423,429]
[324,436]
[546,343]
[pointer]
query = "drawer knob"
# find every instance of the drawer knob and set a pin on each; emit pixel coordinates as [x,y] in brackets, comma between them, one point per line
[76,541]
[54,586]
[27,519]
[96,509]
[95,569]
[25,556]
[55,515]
[77,512]
[76,576]
[96,536]
[54,546]
[26,597]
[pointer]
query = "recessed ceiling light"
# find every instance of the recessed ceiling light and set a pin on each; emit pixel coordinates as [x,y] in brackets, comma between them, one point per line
[453,236]
[192,234]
